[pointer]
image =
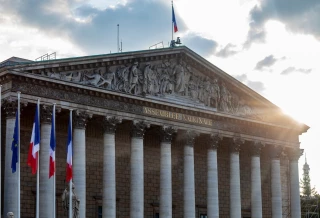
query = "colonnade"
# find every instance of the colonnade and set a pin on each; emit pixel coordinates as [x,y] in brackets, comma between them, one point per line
[137,172]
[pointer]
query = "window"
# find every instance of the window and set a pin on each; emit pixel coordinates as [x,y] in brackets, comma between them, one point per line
[203,215]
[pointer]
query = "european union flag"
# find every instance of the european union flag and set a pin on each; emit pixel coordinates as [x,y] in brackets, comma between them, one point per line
[14,146]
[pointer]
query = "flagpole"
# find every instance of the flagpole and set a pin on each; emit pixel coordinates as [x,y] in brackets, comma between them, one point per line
[38,160]
[70,183]
[18,215]
[0,143]
[54,157]
[171,19]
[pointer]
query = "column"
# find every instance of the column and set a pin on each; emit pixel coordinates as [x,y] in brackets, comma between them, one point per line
[235,191]
[10,202]
[294,155]
[189,202]
[137,180]
[165,172]
[256,197]
[79,158]
[46,184]
[276,193]
[212,180]
[109,167]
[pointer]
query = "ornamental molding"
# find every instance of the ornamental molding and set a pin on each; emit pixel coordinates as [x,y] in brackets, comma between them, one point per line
[256,148]
[107,101]
[166,133]
[110,124]
[213,140]
[80,119]
[46,113]
[189,137]
[139,128]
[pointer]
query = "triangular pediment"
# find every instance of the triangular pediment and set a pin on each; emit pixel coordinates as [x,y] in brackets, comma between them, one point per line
[175,75]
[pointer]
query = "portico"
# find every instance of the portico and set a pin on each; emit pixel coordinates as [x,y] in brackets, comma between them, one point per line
[178,147]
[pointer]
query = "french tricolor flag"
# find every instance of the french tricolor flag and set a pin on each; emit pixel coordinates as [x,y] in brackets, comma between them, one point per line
[69,151]
[175,26]
[52,161]
[34,146]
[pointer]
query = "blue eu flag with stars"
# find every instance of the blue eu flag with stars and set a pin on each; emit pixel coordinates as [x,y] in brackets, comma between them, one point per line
[14,146]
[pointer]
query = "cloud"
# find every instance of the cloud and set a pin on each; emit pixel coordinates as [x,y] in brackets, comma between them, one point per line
[142,23]
[266,62]
[298,16]
[290,70]
[255,85]
[227,51]
[200,45]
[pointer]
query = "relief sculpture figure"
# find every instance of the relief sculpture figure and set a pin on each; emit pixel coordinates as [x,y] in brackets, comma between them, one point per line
[92,79]
[179,74]
[133,78]
[122,83]
[109,79]
[75,202]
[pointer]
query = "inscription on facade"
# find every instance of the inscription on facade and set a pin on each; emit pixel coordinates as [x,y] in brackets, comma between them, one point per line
[177,116]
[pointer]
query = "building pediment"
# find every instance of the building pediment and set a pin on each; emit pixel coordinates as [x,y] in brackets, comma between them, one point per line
[177,76]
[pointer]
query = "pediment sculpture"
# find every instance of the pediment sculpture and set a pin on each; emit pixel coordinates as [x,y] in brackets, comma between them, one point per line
[172,78]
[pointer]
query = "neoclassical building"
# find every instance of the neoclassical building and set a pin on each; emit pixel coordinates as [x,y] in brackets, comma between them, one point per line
[156,133]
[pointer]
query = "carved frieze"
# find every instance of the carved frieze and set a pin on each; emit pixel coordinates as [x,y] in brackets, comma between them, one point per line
[172,78]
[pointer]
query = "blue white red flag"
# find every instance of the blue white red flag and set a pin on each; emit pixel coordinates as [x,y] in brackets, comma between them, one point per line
[14,145]
[52,159]
[69,151]
[175,27]
[34,146]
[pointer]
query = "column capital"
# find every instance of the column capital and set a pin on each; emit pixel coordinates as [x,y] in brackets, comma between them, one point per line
[237,141]
[139,128]
[213,140]
[80,119]
[276,151]
[167,133]
[46,113]
[294,153]
[256,148]
[189,137]
[10,106]
[110,124]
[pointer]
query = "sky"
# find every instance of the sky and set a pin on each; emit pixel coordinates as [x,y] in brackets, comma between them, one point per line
[272,46]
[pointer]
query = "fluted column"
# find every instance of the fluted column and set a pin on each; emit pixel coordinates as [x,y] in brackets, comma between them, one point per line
[212,180]
[189,200]
[137,179]
[10,202]
[46,184]
[165,172]
[276,193]
[256,197]
[109,167]
[235,191]
[294,155]
[79,158]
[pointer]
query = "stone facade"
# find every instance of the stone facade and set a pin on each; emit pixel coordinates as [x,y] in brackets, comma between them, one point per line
[150,107]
